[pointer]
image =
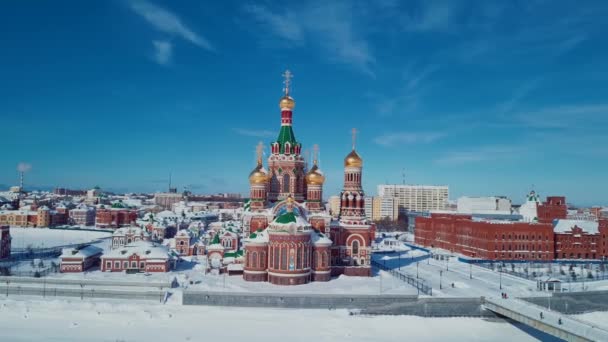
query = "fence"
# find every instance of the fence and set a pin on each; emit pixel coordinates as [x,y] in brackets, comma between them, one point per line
[88,282]
[531,275]
[415,282]
[83,292]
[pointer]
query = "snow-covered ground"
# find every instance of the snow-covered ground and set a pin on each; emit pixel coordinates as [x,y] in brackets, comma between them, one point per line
[599,318]
[36,320]
[45,238]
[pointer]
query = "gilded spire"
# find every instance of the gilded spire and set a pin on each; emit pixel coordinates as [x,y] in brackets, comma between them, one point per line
[315,154]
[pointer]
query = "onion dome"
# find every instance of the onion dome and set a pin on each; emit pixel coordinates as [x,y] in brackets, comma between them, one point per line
[258,175]
[315,176]
[287,102]
[353,160]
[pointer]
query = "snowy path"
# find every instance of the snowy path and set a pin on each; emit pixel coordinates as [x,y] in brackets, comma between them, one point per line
[35,320]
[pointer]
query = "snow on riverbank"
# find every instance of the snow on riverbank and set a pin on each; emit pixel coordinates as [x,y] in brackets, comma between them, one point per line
[62,320]
[44,237]
[599,318]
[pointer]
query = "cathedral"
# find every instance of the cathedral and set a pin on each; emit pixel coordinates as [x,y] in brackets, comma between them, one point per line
[292,239]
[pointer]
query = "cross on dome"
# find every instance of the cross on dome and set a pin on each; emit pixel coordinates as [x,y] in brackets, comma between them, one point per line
[259,150]
[315,154]
[354,133]
[288,76]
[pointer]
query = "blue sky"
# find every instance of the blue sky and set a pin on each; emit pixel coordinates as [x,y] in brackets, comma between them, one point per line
[490,98]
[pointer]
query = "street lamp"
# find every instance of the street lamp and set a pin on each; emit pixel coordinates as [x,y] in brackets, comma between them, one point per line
[500,276]
[417,262]
[447,262]
[440,274]
[470,271]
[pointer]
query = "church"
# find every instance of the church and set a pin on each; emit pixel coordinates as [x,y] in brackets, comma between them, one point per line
[292,239]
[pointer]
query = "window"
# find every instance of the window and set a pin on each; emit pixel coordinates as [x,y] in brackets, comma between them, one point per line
[355,247]
[284,258]
[134,264]
[299,261]
[254,259]
[108,264]
[324,260]
[181,242]
[286,180]
[117,265]
[276,258]
[142,265]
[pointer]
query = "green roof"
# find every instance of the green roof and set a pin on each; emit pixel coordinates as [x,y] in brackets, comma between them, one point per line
[216,239]
[288,217]
[286,136]
[253,235]
[233,254]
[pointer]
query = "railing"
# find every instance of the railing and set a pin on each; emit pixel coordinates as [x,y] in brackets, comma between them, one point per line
[563,277]
[417,283]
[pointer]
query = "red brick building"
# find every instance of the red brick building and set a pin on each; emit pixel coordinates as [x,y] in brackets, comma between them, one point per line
[139,256]
[505,240]
[78,260]
[114,218]
[553,208]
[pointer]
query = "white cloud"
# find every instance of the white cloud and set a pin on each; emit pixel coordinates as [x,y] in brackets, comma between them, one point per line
[24,167]
[285,25]
[163,50]
[167,22]
[433,16]
[329,26]
[393,139]
[254,133]
[566,117]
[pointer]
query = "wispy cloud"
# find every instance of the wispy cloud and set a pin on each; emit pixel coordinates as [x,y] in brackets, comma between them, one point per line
[473,155]
[284,25]
[565,117]
[518,95]
[163,50]
[432,16]
[400,138]
[254,133]
[329,26]
[168,22]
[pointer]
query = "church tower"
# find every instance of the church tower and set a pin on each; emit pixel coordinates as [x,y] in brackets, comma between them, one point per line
[286,164]
[314,185]
[258,181]
[352,203]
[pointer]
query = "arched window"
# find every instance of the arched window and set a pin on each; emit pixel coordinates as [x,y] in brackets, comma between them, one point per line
[254,259]
[355,247]
[299,261]
[263,260]
[286,180]
[276,258]
[284,258]
[324,261]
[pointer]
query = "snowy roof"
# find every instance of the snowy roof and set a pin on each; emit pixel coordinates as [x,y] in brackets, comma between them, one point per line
[215,246]
[260,236]
[183,233]
[84,252]
[320,239]
[234,267]
[129,230]
[565,226]
[142,248]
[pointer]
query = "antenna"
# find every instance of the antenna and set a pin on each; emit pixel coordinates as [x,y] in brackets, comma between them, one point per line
[169,181]
[403,176]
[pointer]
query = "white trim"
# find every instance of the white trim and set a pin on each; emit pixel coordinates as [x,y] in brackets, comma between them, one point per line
[289,275]
[255,272]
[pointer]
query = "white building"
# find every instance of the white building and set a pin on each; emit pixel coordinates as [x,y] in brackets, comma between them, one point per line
[484,205]
[369,207]
[528,210]
[417,197]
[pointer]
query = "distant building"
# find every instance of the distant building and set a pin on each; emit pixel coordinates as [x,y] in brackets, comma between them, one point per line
[534,211]
[417,197]
[334,206]
[139,256]
[369,207]
[5,242]
[69,192]
[385,207]
[82,215]
[78,260]
[127,235]
[484,205]
[114,217]
[167,199]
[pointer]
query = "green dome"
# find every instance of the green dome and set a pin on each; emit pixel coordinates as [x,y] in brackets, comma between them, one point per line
[286,218]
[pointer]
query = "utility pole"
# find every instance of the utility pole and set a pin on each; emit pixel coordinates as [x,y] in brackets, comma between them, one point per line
[440,274]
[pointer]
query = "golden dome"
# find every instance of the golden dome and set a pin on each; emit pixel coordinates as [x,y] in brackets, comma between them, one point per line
[353,160]
[258,175]
[314,176]
[287,102]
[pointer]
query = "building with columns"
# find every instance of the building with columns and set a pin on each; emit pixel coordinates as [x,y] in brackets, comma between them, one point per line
[292,238]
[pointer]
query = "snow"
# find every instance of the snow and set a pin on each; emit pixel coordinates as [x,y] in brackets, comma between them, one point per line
[44,237]
[37,320]
[565,226]
[599,318]
[81,253]
[144,249]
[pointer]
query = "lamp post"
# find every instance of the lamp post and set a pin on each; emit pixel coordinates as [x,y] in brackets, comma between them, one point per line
[417,262]
[447,262]
[500,276]
[440,274]
[470,271]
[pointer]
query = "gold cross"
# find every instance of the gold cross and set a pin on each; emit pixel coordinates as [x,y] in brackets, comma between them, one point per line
[288,76]
[354,132]
[315,152]
[259,150]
